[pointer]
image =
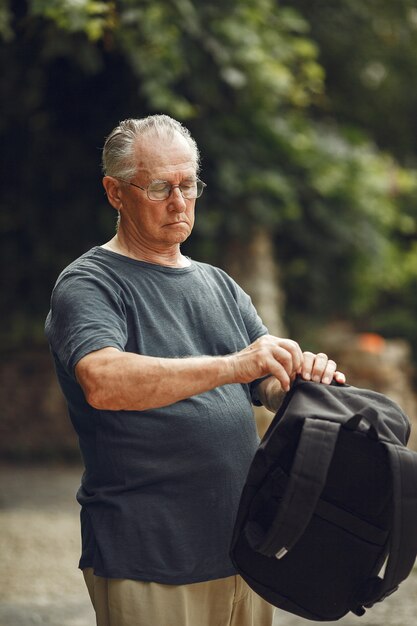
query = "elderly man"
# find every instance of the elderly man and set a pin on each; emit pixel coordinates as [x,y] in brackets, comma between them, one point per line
[160,358]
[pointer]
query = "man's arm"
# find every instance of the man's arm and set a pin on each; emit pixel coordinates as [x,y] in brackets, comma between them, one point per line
[116,380]
[270,393]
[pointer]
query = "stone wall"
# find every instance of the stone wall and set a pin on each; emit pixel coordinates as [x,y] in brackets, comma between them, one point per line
[372,362]
[34,424]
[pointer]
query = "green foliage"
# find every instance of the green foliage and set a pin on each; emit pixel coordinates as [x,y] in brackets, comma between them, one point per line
[6,31]
[345,253]
[369,51]
[89,16]
[288,102]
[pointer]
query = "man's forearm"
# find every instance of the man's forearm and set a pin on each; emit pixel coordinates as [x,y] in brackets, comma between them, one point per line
[270,393]
[115,380]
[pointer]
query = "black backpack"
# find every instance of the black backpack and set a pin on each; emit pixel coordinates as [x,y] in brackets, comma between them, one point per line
[330,500]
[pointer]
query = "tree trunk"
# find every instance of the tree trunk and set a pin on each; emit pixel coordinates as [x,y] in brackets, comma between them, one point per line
[253,266]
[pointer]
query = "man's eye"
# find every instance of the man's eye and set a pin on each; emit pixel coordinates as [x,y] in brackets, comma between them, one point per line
[159,187]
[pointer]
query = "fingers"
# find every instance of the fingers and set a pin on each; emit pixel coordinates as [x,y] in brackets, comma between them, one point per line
[292,365]
[317,366]
[289,353]
[320,369]
[281,358]
[340,377]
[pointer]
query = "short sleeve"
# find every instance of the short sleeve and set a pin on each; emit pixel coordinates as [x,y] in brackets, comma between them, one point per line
[86,314]
[255,329]
[254,325]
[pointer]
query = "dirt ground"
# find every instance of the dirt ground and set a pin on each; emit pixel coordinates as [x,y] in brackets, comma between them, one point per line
[39,550]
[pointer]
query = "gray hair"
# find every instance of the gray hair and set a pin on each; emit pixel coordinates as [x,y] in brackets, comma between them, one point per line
[118,158]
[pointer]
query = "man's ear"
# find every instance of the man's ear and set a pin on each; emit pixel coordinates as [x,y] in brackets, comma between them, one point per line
[112,187]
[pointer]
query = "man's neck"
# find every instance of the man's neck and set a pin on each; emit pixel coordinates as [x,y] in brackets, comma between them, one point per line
[171,257]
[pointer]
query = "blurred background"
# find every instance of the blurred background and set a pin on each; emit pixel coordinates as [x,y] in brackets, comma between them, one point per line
[305,115]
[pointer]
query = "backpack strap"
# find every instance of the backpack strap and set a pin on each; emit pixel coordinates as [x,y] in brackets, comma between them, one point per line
[306,482]
[305,485]
[403,538]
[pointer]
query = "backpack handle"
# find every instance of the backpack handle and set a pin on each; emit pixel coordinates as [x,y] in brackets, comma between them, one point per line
[307,479]
[377,429]
[369,414]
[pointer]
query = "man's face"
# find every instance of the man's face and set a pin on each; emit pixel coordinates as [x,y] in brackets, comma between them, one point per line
[159,224]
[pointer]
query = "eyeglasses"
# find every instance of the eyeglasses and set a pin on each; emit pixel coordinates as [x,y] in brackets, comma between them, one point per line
[158,190]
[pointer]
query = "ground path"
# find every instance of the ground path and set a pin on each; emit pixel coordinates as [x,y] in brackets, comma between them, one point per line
[39,548]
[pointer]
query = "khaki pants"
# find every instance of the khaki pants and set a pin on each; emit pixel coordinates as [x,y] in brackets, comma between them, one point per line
[224,602]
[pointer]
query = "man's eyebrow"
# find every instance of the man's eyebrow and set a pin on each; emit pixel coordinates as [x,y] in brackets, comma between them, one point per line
[190,178]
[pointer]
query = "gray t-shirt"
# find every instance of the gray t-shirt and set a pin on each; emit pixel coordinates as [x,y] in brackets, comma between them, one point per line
[161,487]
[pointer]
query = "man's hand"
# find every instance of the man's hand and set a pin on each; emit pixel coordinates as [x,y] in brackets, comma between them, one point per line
[268,355]
[316,367]
[282,359]
[320,369]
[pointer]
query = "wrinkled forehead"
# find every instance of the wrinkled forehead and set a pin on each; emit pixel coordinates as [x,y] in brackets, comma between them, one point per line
[156,155]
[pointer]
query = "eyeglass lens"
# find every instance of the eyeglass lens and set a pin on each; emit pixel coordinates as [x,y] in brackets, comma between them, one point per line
[162,190]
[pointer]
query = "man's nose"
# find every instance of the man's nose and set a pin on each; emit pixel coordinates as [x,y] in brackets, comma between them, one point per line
[176,199]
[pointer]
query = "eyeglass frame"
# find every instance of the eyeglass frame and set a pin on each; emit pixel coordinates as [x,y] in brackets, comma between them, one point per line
[198,180]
